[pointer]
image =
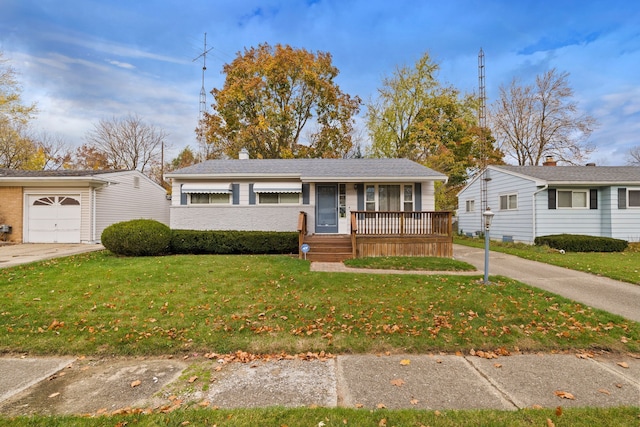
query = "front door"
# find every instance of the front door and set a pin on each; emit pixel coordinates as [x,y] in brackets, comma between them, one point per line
[326,208]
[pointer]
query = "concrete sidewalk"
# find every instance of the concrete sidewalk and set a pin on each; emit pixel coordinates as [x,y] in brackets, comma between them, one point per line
[12,255]
[429,382]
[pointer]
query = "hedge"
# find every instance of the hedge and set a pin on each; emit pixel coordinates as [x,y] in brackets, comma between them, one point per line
[233,242]
[581,243]
[138,237]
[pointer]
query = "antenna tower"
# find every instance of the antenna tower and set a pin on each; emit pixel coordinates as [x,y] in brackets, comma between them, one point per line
[203,93]
[482,123]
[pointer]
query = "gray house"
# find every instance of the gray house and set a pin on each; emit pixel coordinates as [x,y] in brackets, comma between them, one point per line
[531,201]
[269,194]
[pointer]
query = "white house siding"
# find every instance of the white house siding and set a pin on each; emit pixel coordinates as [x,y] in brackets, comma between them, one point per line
[625,223]
[512,224]
[121,201]
[516,224]
[605,203]
[234,217]
[568,221]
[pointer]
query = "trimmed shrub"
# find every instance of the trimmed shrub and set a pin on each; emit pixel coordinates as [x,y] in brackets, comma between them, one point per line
[233,242]
[580,243]
[138,237]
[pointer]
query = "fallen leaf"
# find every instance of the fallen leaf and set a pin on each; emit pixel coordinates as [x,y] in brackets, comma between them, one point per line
[624,340]
[193,379]
[550,423]
[136,383]
[359,405]
[54,395]
[584,355]
[437,413]
[380,406]
[537,407]
[414,401]
[185,423]
[397,382]
[382,423]
[405,362]
[604,391]
[497,365]
[559,411]
[623,365]
[564,395]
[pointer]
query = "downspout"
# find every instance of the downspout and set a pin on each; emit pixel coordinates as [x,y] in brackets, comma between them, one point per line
[546,187]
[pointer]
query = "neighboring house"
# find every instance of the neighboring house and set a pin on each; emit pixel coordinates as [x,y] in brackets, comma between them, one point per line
[532,201]
[69,206]
[271,194]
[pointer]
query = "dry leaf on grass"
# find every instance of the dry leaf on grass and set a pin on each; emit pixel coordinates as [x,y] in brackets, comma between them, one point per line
[550,423]
[559,411]
[564,395]
[193,379]
[381,406]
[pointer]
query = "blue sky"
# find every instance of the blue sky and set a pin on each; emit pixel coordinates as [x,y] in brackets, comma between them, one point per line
[86,60]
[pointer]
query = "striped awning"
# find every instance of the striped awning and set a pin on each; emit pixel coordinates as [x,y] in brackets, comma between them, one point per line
[277,187]
[211,187]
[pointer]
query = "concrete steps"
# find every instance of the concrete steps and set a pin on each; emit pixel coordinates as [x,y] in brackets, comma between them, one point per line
[329,247]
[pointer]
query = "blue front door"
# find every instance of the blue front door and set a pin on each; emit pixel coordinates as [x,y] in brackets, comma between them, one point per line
[326,208]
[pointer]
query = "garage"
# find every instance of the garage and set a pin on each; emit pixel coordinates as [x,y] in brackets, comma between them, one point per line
[54,218]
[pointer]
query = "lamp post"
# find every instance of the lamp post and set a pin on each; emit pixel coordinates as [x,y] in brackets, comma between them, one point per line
[488,217]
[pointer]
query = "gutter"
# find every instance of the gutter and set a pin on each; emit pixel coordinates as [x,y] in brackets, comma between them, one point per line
[533,228]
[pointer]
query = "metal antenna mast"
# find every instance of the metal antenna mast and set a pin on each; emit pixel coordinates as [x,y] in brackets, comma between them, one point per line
[482,123]
[203,93]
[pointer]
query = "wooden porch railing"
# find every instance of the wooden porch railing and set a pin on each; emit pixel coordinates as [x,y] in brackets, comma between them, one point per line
[398,223]
[302,231]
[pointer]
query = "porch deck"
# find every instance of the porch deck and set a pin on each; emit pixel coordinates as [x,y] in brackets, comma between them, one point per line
[384,233]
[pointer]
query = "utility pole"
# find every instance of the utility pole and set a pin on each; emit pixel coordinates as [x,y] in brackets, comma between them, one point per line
[203,97]
[482,123]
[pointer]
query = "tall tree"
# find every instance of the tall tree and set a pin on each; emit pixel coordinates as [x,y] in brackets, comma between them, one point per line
[271,97]
[531,122]
[185,158]
[16,148]
[633,156]
[415,117]
[127,143]
[89,157]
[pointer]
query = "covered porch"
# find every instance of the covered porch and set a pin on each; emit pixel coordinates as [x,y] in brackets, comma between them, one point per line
[382,233]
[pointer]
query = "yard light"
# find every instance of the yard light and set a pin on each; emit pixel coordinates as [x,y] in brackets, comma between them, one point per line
[488,217]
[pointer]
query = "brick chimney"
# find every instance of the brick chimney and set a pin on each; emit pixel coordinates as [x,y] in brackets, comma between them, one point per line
[548,161]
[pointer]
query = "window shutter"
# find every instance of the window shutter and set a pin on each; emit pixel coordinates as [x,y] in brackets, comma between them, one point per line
[593,198]
[183,197]
[235,193]
[622,198]
[252,195]
[360,191]
[552,198]
[305,193]
[417,189]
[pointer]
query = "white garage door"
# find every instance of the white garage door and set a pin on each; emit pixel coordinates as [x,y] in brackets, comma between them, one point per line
[54,219]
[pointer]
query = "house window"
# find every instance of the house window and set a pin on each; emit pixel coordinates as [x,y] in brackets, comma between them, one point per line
[389,197]
[278,198]
[209,198]
[508,202]
[470,206]
[634,198]
[568,199]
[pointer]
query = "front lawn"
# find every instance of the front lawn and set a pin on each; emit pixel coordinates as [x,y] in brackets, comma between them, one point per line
[100,304]
[624,266]
[410,263]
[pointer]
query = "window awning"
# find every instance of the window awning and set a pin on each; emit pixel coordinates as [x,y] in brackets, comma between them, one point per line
[277,187]
[211,187]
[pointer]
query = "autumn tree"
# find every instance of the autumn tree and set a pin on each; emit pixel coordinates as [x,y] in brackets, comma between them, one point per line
[280,102]
[185,158]
[16,148]
[531,122]
[126,143]
[417,118]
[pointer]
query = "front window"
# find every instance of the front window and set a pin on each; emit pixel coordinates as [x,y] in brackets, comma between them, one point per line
[278,198]
[209,198]
[508,202]
[389,197]
[573,199]
[634,198]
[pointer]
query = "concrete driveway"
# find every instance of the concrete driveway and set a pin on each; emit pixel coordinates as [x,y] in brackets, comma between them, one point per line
[11,255]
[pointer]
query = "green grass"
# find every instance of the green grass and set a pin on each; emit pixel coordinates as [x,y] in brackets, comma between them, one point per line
[410,263]
[624,266]
[304,417]
[99,304]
